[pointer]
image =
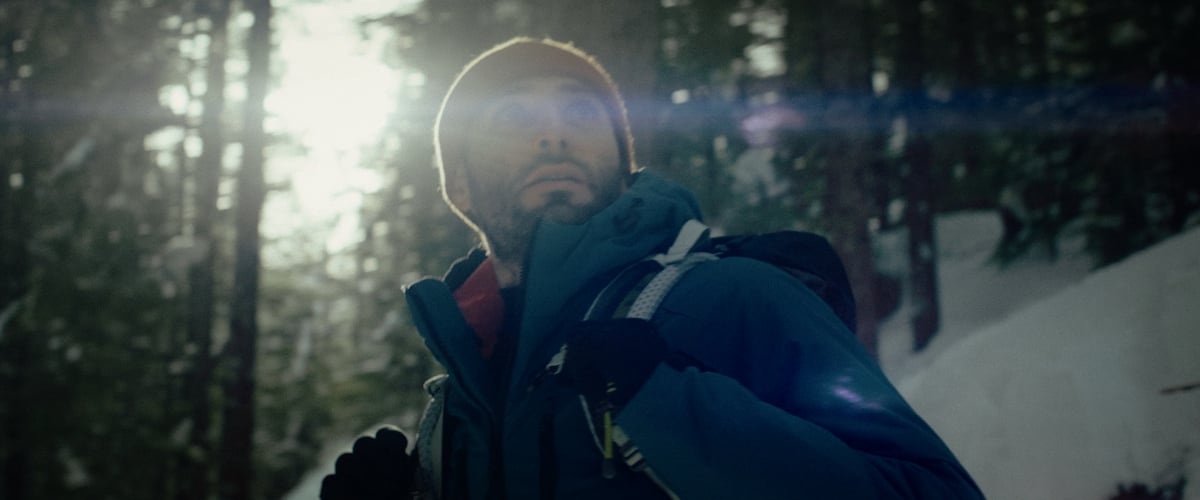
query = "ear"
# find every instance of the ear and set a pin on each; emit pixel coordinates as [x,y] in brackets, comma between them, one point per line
[458,190]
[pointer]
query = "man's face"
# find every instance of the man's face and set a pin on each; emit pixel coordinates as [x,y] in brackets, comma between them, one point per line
[543,148]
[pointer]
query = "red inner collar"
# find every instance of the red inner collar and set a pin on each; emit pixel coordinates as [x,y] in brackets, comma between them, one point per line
[481,305]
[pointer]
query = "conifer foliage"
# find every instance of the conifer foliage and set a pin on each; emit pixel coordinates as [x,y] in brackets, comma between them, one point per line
[153,345]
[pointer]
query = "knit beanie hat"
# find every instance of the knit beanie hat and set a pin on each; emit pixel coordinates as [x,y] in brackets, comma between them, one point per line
[487,74]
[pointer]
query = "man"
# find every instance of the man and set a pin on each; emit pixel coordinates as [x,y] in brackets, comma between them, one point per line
[742,385]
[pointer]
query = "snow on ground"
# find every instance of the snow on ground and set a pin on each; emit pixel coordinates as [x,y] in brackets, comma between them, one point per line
[1064,399]
[974,292]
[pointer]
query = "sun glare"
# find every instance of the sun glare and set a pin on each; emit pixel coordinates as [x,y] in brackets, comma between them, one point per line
[331,103]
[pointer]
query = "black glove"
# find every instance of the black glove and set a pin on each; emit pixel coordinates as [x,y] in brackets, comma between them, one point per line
[377,468]
[608,361]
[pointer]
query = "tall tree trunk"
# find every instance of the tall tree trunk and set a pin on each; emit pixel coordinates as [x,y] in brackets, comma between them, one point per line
[176,403]
[236,470]
[805,64]
[17,202]
[197,471]
[918,176]
[1181,36]
[1039,48]
[968,96]
[847,148]
[14,462]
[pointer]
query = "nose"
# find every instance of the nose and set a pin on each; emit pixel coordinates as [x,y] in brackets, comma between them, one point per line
[551,143]
[551,137]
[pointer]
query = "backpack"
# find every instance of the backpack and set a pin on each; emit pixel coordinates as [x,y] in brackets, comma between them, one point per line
[637,291]
[806,256]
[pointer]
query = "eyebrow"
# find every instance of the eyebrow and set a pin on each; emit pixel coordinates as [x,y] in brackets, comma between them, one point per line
[569,86]
[579,88]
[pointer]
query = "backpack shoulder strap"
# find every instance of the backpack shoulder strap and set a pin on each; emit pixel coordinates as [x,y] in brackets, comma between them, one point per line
[650,284]
[685,241]
[649,298]
[648,281]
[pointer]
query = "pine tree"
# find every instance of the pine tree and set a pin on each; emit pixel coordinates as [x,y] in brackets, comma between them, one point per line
[845,142]
[240,354]
[917,174]
[201,315]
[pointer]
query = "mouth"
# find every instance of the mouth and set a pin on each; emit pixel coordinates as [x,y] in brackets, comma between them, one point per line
[562,172]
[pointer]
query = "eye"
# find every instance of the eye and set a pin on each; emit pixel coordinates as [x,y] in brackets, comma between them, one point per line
[584,112]
[512,114]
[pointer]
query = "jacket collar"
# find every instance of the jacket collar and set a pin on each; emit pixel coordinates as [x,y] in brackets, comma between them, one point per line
[564,262]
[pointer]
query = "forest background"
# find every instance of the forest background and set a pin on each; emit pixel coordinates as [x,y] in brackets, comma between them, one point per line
[160,339]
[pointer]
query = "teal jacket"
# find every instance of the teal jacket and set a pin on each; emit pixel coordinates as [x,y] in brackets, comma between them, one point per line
[788,405]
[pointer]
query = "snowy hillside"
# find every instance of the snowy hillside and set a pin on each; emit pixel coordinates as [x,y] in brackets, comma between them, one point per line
[974,292]
[1065,398]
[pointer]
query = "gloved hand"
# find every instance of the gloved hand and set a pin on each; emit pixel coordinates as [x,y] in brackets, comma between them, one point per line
[608,361]
[377,468]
